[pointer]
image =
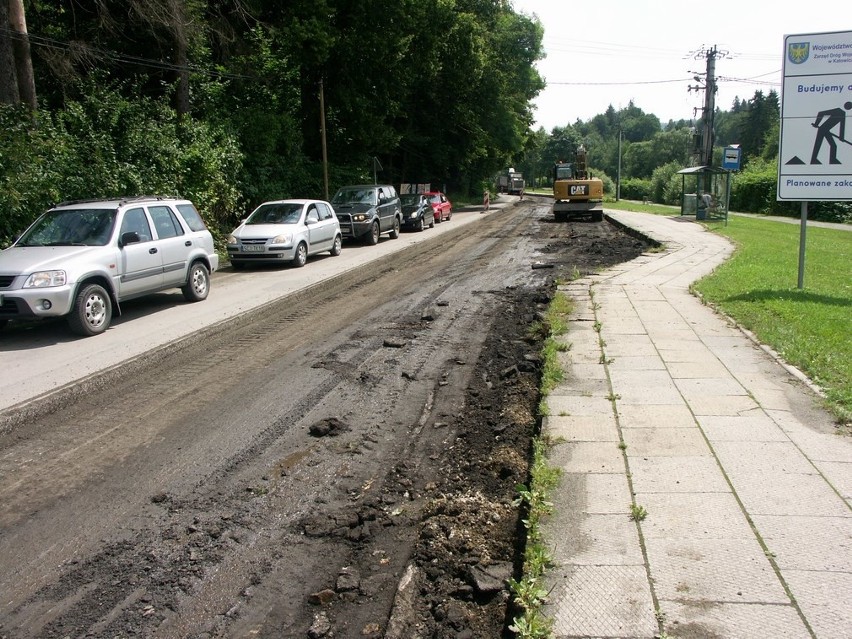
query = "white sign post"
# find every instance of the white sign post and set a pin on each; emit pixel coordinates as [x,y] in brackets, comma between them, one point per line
[815,149]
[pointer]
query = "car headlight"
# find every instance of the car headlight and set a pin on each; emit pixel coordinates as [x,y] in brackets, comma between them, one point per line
[359,217]
[232,239]
[284,238]
[45,279]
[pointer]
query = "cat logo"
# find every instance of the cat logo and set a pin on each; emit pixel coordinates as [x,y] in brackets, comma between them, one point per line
[798,52]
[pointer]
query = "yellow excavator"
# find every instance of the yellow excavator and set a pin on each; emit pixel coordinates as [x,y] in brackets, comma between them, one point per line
[575,192]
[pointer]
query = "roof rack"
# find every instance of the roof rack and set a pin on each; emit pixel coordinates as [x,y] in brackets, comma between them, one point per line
[121,200]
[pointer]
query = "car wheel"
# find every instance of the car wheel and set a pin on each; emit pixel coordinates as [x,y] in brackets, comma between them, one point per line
[449,215]
[337,247]
[432,222]
[373,235]
[300,257]
[421,225]
[394,234]
[438,218]
[198,286]
[91,312]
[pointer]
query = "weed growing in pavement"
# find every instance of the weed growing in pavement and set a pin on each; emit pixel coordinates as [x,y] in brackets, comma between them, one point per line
[613,397]
[597,325]
[637,512]
[575,274]
[622,445]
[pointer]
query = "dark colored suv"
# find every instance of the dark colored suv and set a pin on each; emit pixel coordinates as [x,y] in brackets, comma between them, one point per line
[366,211]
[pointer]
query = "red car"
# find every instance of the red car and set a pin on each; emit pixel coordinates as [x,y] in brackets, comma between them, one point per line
[441,206]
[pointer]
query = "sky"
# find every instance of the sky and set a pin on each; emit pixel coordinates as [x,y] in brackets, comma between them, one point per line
[648,51]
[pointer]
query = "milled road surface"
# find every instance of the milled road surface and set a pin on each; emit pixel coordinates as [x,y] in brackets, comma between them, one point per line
[223,488]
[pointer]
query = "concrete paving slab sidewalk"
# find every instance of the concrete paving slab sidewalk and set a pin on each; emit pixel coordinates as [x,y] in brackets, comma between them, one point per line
[669,406]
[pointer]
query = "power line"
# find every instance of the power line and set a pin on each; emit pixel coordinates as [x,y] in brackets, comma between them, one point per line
[111,56]
[633,82]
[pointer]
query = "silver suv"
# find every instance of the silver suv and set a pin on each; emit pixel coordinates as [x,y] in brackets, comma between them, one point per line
[81,259]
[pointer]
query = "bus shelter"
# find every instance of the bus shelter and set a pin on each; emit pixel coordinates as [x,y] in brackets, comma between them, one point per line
[706,191]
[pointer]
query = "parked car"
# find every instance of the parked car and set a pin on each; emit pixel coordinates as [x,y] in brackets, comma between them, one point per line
[442,207]
[82,259]
[417,212]
[366,211]
[285,231]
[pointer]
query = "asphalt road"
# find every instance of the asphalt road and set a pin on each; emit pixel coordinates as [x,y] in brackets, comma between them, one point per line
[47,359]
[195,482]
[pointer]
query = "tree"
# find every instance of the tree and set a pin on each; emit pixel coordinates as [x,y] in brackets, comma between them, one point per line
[8,76]
[762,113]
[21,51]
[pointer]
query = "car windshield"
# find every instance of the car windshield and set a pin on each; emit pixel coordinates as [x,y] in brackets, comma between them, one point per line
[71,227]
[276,213]
[410,199]
[355,196]
[435,199]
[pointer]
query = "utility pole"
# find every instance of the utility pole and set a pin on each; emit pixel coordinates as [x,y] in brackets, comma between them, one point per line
[707,83]
[708,136]
[322,137]
[618,174]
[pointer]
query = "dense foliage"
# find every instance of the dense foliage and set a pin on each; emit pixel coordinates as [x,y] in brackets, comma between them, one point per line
[220,100]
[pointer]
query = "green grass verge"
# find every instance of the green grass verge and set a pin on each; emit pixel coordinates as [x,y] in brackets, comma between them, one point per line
[630,205]
[809,328]
[529,593]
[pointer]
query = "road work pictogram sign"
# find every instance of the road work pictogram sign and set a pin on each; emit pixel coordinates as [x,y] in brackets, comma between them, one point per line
[815,150]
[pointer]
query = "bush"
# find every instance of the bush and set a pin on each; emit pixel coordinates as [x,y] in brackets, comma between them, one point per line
[104,145]
[666,184]
[636,189]
[754,190]
[608,182]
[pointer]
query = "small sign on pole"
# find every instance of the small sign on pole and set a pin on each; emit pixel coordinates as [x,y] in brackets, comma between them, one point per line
[731,157]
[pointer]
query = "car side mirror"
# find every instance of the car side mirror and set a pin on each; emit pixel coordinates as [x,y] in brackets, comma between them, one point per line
[131,237]
[311,219]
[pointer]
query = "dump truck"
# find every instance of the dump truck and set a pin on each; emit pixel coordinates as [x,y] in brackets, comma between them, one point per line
[511,182]
[575,192]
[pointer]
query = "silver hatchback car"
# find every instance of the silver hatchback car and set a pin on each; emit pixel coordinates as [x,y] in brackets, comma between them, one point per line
[285,231]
